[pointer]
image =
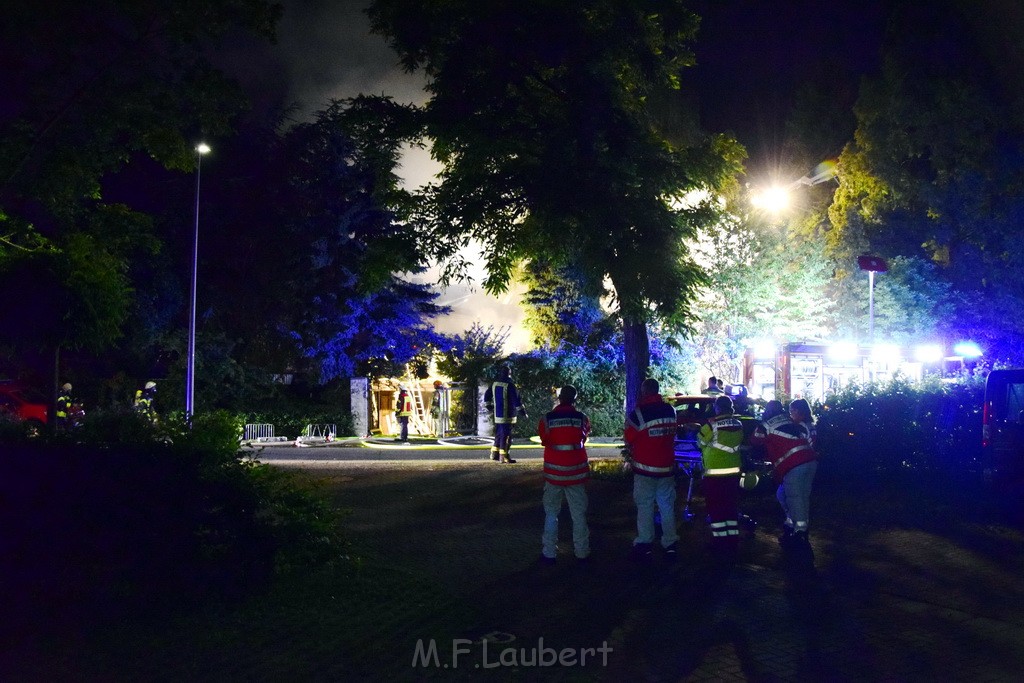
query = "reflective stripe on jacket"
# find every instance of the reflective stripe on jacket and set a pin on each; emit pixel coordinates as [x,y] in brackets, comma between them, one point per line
[404,408]
[563,432]
[785,443]
[720,440]
[651,435]
[505,399]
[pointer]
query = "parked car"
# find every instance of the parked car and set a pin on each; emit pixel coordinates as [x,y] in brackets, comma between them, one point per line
[24,404]
[1002,428]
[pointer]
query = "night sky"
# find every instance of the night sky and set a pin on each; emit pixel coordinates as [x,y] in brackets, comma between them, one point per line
[752,56]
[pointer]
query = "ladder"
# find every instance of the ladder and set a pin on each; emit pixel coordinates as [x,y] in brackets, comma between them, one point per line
[420,419]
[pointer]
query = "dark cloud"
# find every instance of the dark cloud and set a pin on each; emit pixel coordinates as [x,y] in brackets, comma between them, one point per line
[328,52]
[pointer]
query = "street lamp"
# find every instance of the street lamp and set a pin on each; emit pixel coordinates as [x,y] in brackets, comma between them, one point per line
[190,370]
[872,264]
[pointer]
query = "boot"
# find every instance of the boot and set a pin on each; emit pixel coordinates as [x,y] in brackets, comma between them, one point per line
[506,459]
[786,538]
[494,454]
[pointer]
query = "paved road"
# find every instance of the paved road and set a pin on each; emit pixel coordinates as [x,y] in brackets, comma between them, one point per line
[382,450]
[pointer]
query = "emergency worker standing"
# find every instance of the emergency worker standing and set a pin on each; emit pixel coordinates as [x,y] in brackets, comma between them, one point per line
[404,411]
[650,435]
[64,403]
[564,432]
[800,413]
[713,388]
[439,409]
[794,464]
[144,402]
[720,440]
[502,399]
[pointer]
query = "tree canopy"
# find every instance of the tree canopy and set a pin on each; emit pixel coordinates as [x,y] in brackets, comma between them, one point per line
[541,115]
[935,175]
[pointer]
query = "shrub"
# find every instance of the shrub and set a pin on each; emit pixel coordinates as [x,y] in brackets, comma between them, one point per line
[899,425]
[167,514]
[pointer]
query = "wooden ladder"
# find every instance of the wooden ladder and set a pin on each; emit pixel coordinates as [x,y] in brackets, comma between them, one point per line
[420,419]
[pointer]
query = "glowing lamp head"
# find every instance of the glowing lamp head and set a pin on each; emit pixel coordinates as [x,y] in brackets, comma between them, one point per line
[203,148]
[773,199]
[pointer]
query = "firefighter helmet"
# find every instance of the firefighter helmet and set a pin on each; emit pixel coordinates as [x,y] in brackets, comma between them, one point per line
[151,385]
[66,387]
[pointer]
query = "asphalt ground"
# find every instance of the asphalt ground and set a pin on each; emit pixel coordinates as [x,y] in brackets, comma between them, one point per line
[900,584]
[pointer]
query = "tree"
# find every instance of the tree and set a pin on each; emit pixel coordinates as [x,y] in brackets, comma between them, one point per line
[91,86]
[331,210]
[765,281]
[540,114]
[936,173]
[558,311]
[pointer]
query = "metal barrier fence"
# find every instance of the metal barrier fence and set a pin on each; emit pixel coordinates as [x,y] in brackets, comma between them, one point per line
[326,432]
[258,431]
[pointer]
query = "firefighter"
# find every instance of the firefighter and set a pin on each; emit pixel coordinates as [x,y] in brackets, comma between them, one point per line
[144,402]
[64,403]
[502,400]
[650,437]
[788,446]
[404,411]
[720,440]
[439,409]
[564,432]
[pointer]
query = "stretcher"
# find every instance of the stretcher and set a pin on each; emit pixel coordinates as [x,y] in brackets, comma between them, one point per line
[688,462]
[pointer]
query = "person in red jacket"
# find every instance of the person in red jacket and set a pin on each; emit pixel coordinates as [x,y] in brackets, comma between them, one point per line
[564,432]
[650,436]
[794,463]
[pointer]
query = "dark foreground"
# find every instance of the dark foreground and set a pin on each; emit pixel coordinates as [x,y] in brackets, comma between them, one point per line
[904,582]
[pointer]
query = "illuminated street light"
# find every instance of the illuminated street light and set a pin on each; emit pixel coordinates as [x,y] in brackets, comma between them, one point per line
[778,198]
[774,199]
[201,149]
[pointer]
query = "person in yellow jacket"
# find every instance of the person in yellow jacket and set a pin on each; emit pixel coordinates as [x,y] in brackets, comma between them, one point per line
[64,403]
[720,440]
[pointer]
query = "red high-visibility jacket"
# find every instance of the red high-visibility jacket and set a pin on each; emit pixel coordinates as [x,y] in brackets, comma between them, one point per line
[651,435]
[563,432]
[786,443]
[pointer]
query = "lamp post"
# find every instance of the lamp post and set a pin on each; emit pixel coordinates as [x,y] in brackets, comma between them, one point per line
[872,264]
[190,370]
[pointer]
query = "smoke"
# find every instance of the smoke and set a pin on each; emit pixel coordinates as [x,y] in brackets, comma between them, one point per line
[327,52]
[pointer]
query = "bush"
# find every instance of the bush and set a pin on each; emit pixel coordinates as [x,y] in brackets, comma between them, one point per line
[165,516]
[899,425]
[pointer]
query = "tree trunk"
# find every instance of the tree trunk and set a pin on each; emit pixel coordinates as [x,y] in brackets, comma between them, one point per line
[638,357]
